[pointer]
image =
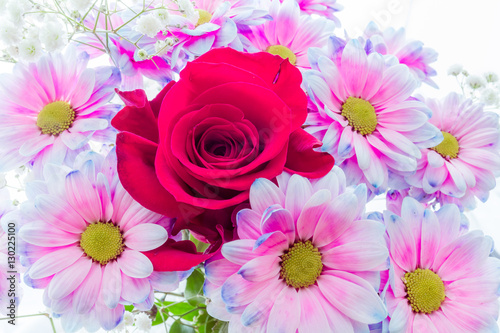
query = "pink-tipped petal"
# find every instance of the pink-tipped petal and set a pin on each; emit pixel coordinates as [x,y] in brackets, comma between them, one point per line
[285,314]
[67,280]
[135,264]
[145,237]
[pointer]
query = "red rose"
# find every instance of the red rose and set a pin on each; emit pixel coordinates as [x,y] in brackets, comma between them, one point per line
[231,118]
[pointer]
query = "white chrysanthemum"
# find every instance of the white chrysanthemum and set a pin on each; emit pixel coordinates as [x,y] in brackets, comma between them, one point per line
[490,96]
[162,15]
[79,5]
[30,50]
[15,10]
[142,322]
[128,318]
[455,69]
[53,36]
[9,33]
[148,25]
[476,81]
[491,77]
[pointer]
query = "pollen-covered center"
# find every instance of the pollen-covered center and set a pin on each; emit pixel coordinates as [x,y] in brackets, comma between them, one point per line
[205,17]
[360,115]
[449,147]
[301,265]
[425,290]
[283,52]
[55,118]
[102,242]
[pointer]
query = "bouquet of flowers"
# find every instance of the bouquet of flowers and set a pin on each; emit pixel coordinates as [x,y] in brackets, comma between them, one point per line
[205,166]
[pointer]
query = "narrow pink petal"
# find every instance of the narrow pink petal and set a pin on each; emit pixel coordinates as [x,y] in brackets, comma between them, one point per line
[85,296]
[68,279]
[55,262]
[239,251]
[103,191]
[285,314]
[400,318]
[449,221]
[429,240]
[145,237]
[353,296]
[83,197]
[299,190]
[276,218]
[458,180]
[261,268]
[135,264]
[311,213]
[422,323]
[336,218]
[376,174]
[466,172]
[271,243]
[111,285]
[109,318]
[59,213]
[135,290]
[403,248]
[258,310]
[164,281]
[43,234]
[248,222]
[338,321]
[263,193]
[356,256]
[468,318]
[34,145]
[287,22]
[375,69]
[133,214]
[217,271]
[345,143]
[83,88]
[434,178]
[237,291]
[353,67]
[334,80]
[62,305]
[481,158]
[312,315]
[362,149]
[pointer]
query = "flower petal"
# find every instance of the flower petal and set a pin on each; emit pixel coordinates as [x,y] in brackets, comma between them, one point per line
[135,264]
[145,237]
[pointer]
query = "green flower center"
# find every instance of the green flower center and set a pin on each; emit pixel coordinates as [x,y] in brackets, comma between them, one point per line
[205,17]
[102,242]
[449,147]
[424,289]
[301,265]
[360,115]
[283,52]
[55,118]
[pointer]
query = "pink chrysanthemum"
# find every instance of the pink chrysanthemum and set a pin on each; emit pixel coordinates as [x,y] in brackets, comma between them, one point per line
[54,106]
[441,278]
[465,164]
[410,53]
[83,239]
[290,34]
[305,260]
[365,115]
[326,8]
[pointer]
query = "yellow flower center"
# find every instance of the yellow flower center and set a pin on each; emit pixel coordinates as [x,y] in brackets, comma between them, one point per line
[205,17]
[301,265]
[424,289]
[55,118]
[449,147]
[283,52]
[102,242]
[360,115]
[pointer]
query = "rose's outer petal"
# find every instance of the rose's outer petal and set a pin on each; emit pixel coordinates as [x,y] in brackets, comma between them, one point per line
[136,171]
[179,256]
[303,160]
[279,75]
[158,100]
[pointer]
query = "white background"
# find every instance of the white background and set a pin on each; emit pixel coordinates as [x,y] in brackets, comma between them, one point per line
[465,32]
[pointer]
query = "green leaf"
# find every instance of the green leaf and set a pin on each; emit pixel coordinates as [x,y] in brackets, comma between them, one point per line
[129,308]
[182,308]
[200,246]
[220,327]
[178,327]
[194,287]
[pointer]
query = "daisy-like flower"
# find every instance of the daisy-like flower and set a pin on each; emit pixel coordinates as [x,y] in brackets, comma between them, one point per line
[290,34]
[54,106]
[465,163]
[365,115]
[411,53]
[441,277]
[305,260]
[326,8]
[83,238]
